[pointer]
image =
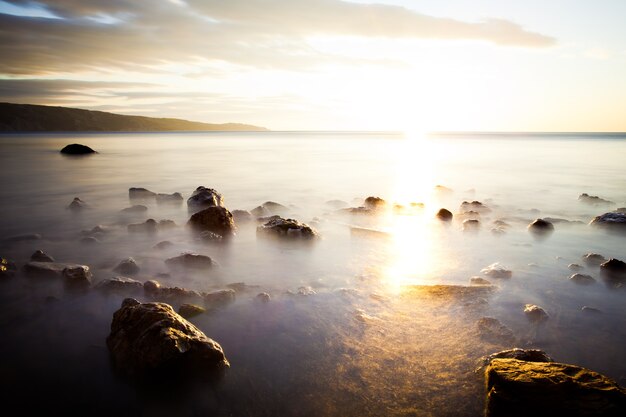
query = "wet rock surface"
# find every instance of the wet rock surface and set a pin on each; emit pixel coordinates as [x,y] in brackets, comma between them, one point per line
[476,206]
[444,214]
[139,193]
[190,310]
[41,256]
[127,266]
[241,216]
[136,209]
[149,227]
[535,314]
[593,200]
[582,279]
[121,285]
[541,227]
[593,259]
[286,229]
[48,269]
[496,270]
[77,276]
[374,203]
[77,205]
[269,208]
[153,338]
[190,261]
[214,219]
[615,221]
[203,197]
[614,271]
[77,149]
[174,198]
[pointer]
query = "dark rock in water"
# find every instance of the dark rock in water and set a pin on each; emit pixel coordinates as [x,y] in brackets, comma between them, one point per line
[357,211]
[517,388]
[535,314]
[286,229]
[77,276]
[210,237]
[541,227]
[77,205]
[7,268]
[269,208]
[444,214]
[177,295]
[205,197]
[41,256]
[582,279]
[471,225]
[593,259]
[219,298]
[241,216]
[120,285]
[190,261]
[151,286]
[479,281]
[175,198]
[492,330]
[24,238]
[152,337]
[190,310]
[614,269]
[496,270]
[263,297]
[501,224]
[574,267]
[214,219]
[127,267]
[136,209]
[590,310]
[77,149]
[163,245]
[375,203]
[469,215]
[149,226]
[48,269]
[138,193]
[474,206]
[528,355]
[611,221]
[166,224]
[592,199]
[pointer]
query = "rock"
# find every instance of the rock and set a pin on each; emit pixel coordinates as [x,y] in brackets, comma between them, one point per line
[240,287]
[496,270]
[469,215]
[48,269]
[590,310]
[574,267]
[166,224]
[136,209]
[176,295]
[479,281]
[471,225]
[151,286]
[375,203]
[175,198]
[190,310]
[357,211]
[205,197]
[498,231]
[444,214]
[611,221]
[77,149]
[77,205]
[127,267]
[501,224]
[77,276]
[286,229]
[592,199]
[474,206]
[241,216]
[614,269]
[582,279]
[190,261]
[40,256]
[541,227]
[122,285]
[135,193]
[165,244]
[535,313]
[149,226]
[219,298]
[24,238]
[269,208]
[528,355]
[7,268]
[517,388]
[263,297]
[89,240]
[492,330]
[215,219]
[593,259]
[209,237]
[152,337]
[97,231]
[307,290]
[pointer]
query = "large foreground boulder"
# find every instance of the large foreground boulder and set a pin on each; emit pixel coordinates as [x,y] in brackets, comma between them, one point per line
[152,337]
[77,149]
[517,388]
[215,219]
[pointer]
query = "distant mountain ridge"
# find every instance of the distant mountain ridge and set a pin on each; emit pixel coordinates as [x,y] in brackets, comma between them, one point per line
[36,118]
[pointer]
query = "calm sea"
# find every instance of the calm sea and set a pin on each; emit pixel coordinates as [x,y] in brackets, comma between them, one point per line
[346,332]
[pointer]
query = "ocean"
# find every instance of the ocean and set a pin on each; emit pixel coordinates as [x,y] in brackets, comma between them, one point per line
[353,327]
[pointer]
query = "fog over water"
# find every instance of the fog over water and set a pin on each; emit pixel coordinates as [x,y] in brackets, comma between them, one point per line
[349,330]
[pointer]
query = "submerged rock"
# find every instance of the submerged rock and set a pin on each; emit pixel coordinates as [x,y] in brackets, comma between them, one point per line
[136,209]
[149,226]
[590,310]
[122,285]
[241,216]
[49,269]
[444,214]
[166,224]
[138,193]
[476,206]
[582,279]
[77,276]
[190,261]
[492,330]
[286,229]
[541,227]
[471,225]
[611,221]
[535,314]
[77,205]
[263,297]
[219,298]
[152,337]
[204,197]
[479,281]
[375,203]
[77,149]
[517,388]
[593,259]
[215,219]
[127,266]
[175,198]
[163,245]
[592,199]
[496,270]
[209,237]
[574,267]
[269,208]
[614,269]
[41,256]
[151,286]
[190,310]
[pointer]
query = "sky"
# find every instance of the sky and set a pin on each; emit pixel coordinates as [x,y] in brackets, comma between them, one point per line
[400,65]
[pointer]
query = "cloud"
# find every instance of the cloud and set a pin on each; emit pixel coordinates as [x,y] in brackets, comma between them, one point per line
[91,34]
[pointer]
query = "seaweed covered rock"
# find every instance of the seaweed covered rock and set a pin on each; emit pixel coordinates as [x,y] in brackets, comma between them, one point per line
[286,229]
[152,337]
[215,219]
[517,388]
